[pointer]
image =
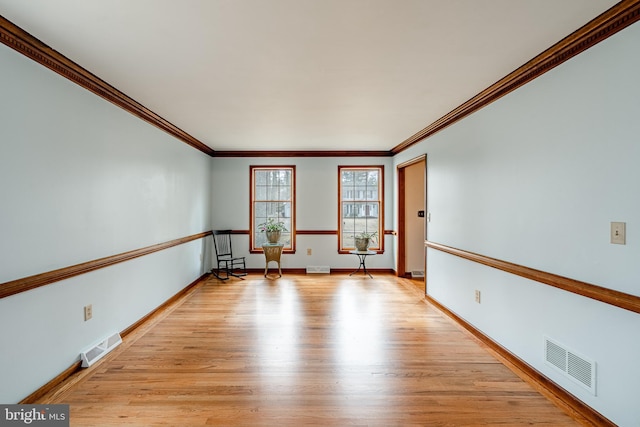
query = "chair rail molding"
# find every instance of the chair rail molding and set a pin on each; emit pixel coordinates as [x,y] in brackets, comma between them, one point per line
[598,293]
[31,282]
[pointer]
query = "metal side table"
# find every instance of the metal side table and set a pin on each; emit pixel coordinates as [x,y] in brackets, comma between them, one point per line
[362,256]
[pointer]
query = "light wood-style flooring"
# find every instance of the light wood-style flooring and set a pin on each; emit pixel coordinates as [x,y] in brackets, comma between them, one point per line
[323,350]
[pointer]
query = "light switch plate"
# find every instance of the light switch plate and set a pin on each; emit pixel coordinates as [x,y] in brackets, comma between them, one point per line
[618,233]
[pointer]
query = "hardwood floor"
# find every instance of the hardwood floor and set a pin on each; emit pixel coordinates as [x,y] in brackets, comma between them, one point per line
[303,350]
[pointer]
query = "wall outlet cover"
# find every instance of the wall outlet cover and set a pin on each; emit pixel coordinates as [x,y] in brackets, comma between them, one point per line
[618,233]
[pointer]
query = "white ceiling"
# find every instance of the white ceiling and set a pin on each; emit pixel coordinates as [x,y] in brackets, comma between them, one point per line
[301,74]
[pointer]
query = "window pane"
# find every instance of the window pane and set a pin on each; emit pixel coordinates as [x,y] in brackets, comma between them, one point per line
[285,177]
[284,193]
[287,223]
[372,178]
[260,211]
[272,209]
[259,239]
[261,192]
[273,194]
[272,177]
[261,177]
[348,240]
[360,217]
[360,177]
[360,205]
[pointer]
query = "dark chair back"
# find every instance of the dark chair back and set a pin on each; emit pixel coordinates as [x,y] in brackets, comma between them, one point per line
[222,243]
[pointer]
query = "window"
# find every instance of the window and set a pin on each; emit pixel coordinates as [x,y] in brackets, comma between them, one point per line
[272,197]
[361,195]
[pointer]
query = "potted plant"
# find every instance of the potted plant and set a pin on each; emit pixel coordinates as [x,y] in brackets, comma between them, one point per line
[272,229]
[364,239]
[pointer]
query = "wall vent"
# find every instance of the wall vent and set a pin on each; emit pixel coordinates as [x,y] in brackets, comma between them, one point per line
[572,365]
[417,273]
[318,269]
[99,350]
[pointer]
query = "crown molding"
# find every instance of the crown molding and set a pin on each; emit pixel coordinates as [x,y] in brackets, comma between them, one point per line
[285,153]
[607,24]
[24,43]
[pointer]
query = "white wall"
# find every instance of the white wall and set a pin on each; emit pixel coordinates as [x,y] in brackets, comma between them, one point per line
[83,179]
[316,208]
[535,178]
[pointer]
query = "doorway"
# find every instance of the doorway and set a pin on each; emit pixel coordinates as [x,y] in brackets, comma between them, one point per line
[412,219]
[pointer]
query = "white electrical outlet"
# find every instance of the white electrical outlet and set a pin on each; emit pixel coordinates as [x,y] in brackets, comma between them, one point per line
[478,296]
[88,312]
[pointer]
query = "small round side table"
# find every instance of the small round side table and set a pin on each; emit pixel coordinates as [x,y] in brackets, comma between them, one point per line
[362,255]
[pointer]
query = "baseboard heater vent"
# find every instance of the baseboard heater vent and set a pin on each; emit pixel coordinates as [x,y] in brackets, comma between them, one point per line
[318,269]
[417,273]
[573,366]
[99,350]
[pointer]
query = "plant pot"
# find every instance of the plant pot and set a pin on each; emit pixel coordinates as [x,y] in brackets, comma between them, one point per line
[362,244]
[273,236]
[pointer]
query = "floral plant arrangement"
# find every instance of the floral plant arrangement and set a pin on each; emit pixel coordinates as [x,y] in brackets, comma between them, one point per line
[271,225]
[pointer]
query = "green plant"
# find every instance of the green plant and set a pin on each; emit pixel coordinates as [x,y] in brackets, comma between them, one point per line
[271,225]
[365,235]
